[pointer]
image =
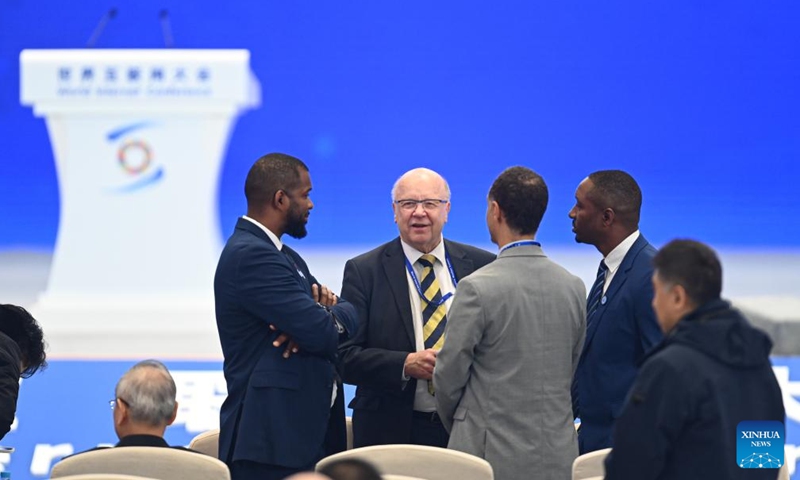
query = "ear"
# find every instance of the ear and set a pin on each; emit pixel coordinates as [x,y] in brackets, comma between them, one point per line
[120,413]
[394,211]
[280,201]
[608,216]
[174,414]
[679,297]
[496,212]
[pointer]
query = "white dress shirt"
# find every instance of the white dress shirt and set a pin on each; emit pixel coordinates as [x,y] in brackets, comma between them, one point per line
[614,258]
[423,400]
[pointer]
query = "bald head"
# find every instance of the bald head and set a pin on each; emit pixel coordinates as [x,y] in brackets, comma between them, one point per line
[307,476]
[420,175]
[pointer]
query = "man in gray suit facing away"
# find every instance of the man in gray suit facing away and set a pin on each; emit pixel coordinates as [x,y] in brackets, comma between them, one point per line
[517,327]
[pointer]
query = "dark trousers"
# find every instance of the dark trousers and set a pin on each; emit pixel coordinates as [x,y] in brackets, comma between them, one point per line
[427,429]
[336,436]
[335,442]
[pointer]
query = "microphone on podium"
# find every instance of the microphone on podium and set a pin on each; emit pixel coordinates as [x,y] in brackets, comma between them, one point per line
[166,29]
[101,25]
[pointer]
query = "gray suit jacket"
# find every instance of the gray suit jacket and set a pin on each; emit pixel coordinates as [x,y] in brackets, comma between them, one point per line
[514,335]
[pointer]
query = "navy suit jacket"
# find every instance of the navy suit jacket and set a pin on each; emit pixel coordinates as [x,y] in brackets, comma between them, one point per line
[621,332]
[277,409]
[373,359]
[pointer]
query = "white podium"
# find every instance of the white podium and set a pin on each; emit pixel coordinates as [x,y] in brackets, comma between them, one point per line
[138,138]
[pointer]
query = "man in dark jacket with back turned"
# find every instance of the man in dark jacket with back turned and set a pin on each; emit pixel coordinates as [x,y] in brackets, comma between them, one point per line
[711,372]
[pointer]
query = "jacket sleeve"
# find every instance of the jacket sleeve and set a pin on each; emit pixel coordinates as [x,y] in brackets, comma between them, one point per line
[268,288]
[344,312]
[361,364]
[652,420]
[454,362]
[9,385]
[346,315]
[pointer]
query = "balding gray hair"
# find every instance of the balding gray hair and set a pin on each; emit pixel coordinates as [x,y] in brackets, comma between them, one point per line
[419,171]
[149,392]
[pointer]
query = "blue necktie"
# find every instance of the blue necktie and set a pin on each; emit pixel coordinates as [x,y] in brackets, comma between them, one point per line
[596,293]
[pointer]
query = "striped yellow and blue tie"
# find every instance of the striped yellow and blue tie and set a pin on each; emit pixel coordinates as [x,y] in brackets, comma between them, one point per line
[434,311]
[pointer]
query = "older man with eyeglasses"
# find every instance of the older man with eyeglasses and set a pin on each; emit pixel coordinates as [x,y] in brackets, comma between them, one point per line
[144,406]
[402,291]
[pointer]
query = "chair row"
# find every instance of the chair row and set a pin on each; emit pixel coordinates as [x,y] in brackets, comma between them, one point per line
[591,466]
[396,462]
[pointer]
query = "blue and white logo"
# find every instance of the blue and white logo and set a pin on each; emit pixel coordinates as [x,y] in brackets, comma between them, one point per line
[135,157]
[760,444]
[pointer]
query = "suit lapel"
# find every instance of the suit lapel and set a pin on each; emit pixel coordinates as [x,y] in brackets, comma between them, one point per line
[302,274]
[616,284]
[291,257]
[394,269]
[462,265]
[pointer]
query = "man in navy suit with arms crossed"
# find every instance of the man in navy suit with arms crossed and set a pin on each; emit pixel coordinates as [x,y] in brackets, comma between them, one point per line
[279,406]
[620,323]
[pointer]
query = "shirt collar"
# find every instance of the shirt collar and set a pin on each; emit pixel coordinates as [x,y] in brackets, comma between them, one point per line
[524,241]
[272,236]
[412,254]
[614,258]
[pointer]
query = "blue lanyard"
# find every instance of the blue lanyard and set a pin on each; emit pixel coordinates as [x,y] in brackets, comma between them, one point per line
[519,243]
[419,287]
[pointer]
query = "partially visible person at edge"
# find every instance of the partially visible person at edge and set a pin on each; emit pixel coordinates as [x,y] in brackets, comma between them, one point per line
[22,353]
[711,372]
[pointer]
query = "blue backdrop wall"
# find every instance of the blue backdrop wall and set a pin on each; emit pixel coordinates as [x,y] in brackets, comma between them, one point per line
[698,99]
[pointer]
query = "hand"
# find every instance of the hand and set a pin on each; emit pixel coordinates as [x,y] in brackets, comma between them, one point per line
[420,364]
[283,338]
[323,295]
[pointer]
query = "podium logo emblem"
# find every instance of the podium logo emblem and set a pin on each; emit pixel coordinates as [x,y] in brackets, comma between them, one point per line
[139,151]
[135,157]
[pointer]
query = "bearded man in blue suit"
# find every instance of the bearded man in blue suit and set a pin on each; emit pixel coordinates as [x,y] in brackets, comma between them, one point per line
[279,330]
[620,323]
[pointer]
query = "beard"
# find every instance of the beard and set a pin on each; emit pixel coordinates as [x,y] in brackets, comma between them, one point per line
[296,224]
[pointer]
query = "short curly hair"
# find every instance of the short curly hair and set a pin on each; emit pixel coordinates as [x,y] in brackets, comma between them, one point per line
[522,195]
[20,326]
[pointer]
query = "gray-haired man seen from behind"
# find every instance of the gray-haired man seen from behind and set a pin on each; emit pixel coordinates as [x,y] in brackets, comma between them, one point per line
[144,405]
